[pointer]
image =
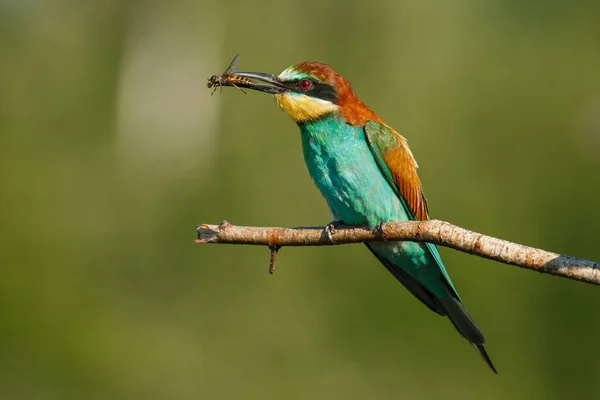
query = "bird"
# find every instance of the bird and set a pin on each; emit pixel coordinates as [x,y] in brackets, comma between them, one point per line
[368,175]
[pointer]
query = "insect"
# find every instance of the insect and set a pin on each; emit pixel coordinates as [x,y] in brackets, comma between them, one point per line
[228,78]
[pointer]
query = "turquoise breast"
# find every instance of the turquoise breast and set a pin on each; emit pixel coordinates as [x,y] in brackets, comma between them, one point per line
[344,169]
[341,163]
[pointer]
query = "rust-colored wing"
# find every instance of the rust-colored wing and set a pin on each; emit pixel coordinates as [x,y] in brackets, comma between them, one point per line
[398,166]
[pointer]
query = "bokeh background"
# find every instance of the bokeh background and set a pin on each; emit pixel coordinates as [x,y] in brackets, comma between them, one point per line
[112,150]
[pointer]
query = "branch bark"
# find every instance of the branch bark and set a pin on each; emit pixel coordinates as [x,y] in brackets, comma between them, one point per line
[434,231]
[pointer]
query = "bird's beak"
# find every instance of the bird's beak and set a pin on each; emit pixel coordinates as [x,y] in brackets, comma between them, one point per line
[273,84]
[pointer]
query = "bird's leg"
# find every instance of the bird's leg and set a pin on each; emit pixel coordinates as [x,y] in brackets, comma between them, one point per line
[330,228]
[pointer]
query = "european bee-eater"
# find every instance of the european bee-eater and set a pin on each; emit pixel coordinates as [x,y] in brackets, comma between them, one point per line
[368,175]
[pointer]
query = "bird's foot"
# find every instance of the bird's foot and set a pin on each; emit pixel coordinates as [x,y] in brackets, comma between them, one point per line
[331,227]
[379,229]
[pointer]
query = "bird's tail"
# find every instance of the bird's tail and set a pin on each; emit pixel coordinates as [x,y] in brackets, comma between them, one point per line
[463,323]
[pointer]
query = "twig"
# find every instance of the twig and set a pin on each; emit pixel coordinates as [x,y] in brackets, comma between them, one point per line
[274,251]
[434,231]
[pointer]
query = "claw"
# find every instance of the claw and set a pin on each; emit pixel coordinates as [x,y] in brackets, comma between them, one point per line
[330,229]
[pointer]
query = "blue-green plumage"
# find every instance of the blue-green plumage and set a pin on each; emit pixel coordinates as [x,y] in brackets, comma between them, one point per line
[342,165]
[357,190]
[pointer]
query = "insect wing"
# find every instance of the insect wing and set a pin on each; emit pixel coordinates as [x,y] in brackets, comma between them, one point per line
[233,66]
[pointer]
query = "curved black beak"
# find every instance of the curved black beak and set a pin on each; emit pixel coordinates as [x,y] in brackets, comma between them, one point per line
[273,84]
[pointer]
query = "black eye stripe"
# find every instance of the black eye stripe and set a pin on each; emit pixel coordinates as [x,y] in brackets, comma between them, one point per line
[317,89]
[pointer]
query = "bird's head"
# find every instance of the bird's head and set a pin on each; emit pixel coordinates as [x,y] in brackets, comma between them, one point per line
[309,91]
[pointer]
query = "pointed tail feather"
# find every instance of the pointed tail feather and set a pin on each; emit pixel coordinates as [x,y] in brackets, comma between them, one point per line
[481,350]
[463,323]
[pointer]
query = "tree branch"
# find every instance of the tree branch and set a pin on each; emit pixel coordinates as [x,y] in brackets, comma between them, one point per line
[434,231]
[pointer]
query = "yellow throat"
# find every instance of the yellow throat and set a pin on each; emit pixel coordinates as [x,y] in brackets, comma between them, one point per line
[304,108]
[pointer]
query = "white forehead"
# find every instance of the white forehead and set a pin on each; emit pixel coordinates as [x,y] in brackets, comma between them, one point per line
[290,74]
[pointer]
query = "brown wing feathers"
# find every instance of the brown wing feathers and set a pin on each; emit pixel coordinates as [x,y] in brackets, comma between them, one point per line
[403,168]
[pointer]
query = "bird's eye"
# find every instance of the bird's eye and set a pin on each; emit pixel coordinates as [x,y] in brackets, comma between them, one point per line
[305,84]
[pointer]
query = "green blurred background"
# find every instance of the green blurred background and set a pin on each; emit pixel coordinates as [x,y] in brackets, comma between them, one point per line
[112,150]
